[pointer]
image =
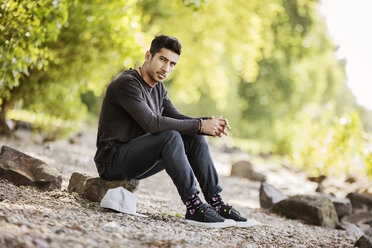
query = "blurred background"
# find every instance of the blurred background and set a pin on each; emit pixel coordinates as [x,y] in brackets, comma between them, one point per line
[280,71]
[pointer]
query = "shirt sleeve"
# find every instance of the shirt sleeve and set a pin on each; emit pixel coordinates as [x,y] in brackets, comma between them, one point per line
[130,97]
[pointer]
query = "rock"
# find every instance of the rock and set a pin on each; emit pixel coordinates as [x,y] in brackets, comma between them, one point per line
[369,231]
[270,195]
[364,242]
[245,169]
[229,149]
[18,125]
[40,243]
[94,188]
[318,179]
[4,218]
[351,178]
[365,228]
[360,201]
[76,139]
[315,210]
[22,169]
[342,206]
[77,182]
[360,218]
[320,189]
[352,229]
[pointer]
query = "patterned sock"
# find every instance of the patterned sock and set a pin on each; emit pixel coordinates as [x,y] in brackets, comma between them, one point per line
[216,202]
[193,203]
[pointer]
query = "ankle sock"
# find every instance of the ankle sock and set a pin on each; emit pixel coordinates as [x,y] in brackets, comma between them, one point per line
[216,202]
[193,203]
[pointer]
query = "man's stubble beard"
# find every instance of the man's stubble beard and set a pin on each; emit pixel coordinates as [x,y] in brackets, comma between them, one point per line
[150,73]
[153,77]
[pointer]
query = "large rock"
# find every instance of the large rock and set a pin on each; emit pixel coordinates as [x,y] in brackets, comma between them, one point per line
[77,182]
[361,219]
[245,169]
[22,169]
[315,210]
[343,206]
[94,188]
[352,229]
[360,201]
[364,242]
[270,195]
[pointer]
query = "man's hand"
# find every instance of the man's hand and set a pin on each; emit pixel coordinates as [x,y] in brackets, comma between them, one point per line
[215,126]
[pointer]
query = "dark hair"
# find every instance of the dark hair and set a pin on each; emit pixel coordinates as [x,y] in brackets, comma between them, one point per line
[164,41]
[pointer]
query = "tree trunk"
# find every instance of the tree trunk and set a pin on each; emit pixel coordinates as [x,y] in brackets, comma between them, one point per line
[7,103]
[4,128]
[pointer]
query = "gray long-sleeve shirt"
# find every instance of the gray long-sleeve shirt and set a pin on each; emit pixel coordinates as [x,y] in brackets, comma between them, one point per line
[132,108]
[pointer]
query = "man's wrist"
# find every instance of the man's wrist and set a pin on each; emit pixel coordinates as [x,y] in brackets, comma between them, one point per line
[200,126]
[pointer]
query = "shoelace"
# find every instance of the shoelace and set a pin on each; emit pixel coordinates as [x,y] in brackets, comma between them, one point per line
[208,209]
[231,209]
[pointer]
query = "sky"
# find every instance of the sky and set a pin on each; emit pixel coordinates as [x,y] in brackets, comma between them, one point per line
[350,25]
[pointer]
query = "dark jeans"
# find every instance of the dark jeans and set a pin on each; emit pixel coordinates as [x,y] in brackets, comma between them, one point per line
[182,157]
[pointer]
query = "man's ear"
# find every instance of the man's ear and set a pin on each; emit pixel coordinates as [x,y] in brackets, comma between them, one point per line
[148,56]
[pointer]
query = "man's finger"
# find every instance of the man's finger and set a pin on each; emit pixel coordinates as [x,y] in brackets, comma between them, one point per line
[227,123]
[224,131]
[222,122]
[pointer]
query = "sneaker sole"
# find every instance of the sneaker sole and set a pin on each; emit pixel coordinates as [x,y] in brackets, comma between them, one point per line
[247,223]
[226,223]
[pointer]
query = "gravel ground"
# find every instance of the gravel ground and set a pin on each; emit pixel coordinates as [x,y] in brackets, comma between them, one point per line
[31,218]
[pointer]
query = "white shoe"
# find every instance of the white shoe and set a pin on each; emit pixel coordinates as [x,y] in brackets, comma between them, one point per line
[248,223]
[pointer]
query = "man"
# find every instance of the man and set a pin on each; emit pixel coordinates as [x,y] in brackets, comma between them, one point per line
[141,133]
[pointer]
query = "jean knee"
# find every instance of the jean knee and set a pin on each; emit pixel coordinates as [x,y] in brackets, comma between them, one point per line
[172,135]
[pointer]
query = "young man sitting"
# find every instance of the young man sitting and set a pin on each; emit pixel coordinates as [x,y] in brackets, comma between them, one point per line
[141,133]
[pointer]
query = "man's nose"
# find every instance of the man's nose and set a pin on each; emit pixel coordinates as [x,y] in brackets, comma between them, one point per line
[166,67]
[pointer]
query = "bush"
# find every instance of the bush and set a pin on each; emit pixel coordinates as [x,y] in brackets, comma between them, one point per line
[325,145]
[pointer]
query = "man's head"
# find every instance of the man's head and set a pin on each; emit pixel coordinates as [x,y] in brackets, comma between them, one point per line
[164,41]
[161,59]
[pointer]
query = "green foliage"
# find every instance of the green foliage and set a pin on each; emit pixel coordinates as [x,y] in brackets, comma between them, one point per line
[26,27]
[92,102]
[297,73]
[94,43]
[368,162]
[324,144]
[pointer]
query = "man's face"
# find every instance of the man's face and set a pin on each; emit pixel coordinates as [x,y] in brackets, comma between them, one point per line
[161,64]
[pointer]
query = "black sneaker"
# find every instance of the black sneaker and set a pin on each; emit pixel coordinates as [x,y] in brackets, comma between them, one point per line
[206,216]
[228,212]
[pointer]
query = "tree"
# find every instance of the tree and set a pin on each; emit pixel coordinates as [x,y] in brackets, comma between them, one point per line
[301,70]
[95,42]
[26,28]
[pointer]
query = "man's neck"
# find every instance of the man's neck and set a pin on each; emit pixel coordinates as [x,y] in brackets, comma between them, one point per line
[143,72]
